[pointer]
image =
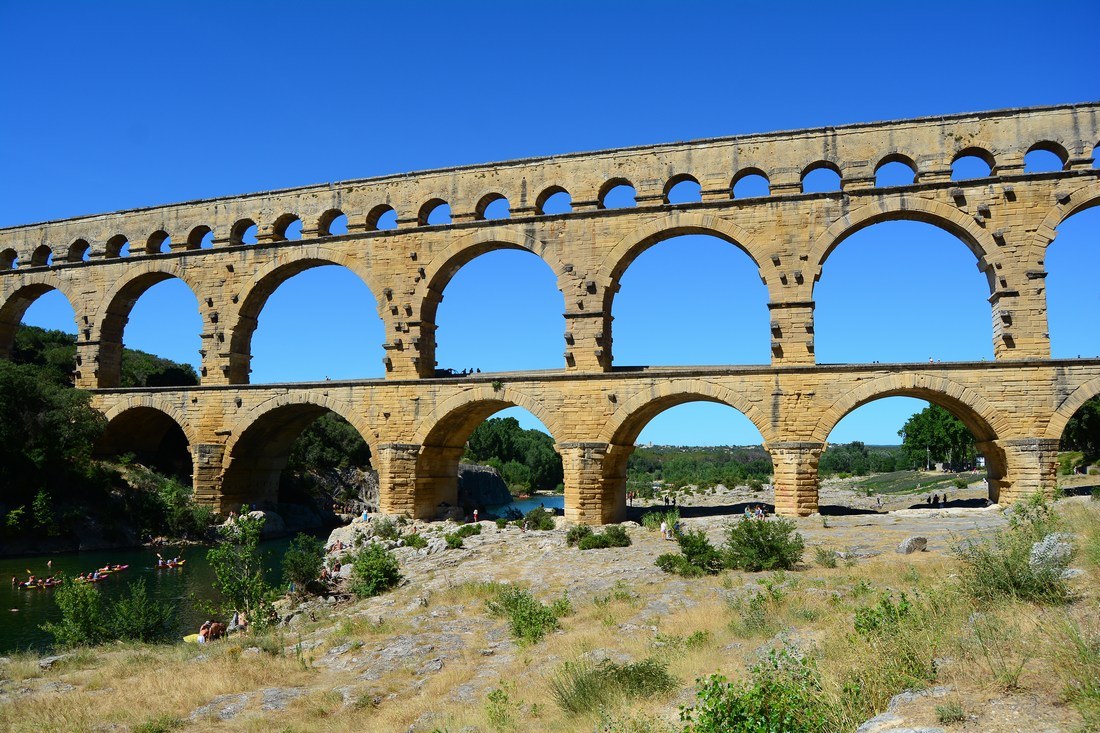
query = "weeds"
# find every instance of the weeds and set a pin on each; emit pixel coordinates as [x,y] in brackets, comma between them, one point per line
[824,557]
[579,687]
[949,713]
[375,570]
[530,619]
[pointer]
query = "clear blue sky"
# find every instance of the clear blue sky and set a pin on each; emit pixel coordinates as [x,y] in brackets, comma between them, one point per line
[113,105]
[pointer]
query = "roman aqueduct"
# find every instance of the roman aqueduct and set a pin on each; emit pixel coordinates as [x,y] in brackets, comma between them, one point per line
[417,422]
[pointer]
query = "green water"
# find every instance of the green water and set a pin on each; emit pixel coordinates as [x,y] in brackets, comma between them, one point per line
[24,610]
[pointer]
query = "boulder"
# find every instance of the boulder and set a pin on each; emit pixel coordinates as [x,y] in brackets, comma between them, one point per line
[481,486]
[274,526]
[913,544]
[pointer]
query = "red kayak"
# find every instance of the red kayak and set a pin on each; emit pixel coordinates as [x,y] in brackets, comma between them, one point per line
[171,565]
[113,568]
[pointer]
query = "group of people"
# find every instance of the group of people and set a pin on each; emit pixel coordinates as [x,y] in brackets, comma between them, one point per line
[937,500]
[756,512]
[162,563]
[670,533]
[211,630]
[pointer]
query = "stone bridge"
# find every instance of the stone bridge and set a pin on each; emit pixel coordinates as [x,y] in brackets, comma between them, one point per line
[238,434]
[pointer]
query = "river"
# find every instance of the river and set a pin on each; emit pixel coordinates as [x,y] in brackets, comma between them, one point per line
[24,610]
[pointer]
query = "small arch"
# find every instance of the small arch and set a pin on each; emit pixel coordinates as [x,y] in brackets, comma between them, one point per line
[1045,156]
[492,206]
[972,162]
[9,259]
[117,246]
[78,251]
[154,432]
[201,237]
[1096,157]
[1069,407]
[382,217]
[617,193]
[332,223]
[42,257]
[434,212]
[159,241]
[820,177]
[895,170]
[554,200]
[243,232]
[683,189]
[750,183]
[287,227]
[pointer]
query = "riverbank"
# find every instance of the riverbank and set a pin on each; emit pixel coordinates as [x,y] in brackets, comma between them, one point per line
[428,656]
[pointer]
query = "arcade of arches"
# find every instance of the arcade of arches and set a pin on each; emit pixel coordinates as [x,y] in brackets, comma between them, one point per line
[416,420]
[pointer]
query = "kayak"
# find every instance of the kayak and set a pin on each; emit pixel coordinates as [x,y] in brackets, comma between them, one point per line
[100,579]
[191,638]
[171,565]
[113,568]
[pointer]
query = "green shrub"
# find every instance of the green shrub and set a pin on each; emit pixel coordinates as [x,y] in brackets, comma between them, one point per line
[612,536]
[783,694]
[159,724]
[374,571]
[501,522]
[577,533]
[594,542]
[384,528]
[755,545]
[303,560]
[825,557]
[529,618]
[884,617]
[468,530]
[580,687]
[137,617]
[539,518]
[616,535]
[698,551]
[239,571]
[454,541]
[951,712]
[83,615]
[678,564]
[417,541]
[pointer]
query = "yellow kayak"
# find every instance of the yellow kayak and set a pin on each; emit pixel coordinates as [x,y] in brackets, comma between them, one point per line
[191,638]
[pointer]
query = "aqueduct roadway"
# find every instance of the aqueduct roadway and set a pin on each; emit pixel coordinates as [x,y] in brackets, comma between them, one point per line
[417,423]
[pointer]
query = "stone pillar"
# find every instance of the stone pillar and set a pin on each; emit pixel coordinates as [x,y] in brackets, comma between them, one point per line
[792,332]
[1030,465]
[795,473]
[1020,320]
[410,335]
[206,476]
[588,341]
[86,370]
[396,464]
[437,479]
[590,497]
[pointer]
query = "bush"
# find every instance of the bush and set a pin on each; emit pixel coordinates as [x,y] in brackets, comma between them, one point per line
[501,522]
[468,530]
[579,687]
[374,571]
[884,617]
[83,616]
[825,557]
[616,535]
[384,529]
[239,571]
[612,536]
[138,617]
[538,518]
[678,564]
[303,560]
[529,618]
[577,533]
[755,545]
[652,520]
[698,551]
[454,541]
[417,541]
[782,694]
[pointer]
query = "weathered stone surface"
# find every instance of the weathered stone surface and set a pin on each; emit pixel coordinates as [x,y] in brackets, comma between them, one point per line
[416,423]
[913,544]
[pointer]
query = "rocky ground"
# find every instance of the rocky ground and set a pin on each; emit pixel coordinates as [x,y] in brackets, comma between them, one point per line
[427,657]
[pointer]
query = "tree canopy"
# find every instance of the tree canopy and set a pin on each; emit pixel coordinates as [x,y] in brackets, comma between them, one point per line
[935,435]
[1083,431]
[525,458]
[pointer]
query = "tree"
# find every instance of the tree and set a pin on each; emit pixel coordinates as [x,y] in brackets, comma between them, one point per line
[303,561]
[330,442]
[935,435]
[239,570]
[524,457]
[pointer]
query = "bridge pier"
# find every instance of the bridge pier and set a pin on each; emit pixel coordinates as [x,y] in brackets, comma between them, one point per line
[396,465]
[1029,465]
[796,482]
[590,496]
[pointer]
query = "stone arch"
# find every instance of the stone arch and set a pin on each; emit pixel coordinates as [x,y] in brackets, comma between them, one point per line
[628,421]
[1075,201]
[117,303]
[153,428]
[1056,146]
[17,302]
[485,200]
[257,452]
[254,293]
[980,149]
[41,255]
[896,156]
[542,198]
[914,208]
[155,241]
[326,220]
[674,224]
[746,172]
[442,439]
[1069,407]
[281,226]
[675,181]
[979,416]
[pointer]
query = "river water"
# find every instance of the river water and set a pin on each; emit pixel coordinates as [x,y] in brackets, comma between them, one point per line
[25,610]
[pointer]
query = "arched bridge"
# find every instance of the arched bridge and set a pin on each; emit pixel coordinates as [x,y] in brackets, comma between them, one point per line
[238,434]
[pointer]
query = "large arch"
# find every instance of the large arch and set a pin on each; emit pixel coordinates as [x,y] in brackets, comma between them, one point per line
[154,430]
[117,306]
[443,434]
[439,272]
[256,453]
[15,306]
[901,207]
[1069,407]
[255,292]
[1069,204]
